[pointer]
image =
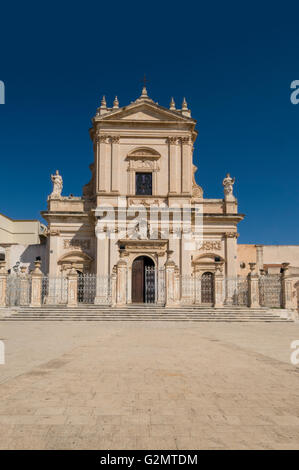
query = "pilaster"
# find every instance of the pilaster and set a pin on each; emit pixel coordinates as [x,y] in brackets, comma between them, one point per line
[3,283]
[72,292]
[253,287]
[286,287]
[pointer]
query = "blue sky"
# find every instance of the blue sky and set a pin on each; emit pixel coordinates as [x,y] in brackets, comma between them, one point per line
[234,62]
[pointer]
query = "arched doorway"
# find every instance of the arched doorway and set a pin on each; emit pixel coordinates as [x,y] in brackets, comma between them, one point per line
[207,288]
[143,280]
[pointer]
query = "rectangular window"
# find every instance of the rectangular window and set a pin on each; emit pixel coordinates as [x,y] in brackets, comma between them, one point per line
[143,184]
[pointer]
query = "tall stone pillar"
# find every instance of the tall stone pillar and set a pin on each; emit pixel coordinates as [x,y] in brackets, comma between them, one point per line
[102,267]
[231,265]
[36,285]
[170,282]
[3,283]
[113,286]
[231,253]
[174,173]
[253,287]
[72,292]
[121,281]
[286,287]
[259,258]
[24,287]
[197,284]
[218,286]
[114,164]
[103,163]
[186,165]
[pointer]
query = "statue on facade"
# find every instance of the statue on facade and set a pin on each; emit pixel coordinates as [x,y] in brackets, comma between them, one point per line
[57,185]
[228,184]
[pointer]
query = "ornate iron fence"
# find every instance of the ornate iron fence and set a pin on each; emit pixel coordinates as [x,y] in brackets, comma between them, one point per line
[18,290]
[270,292]
[87,288]
[236,290]
[54,290]
[103,289]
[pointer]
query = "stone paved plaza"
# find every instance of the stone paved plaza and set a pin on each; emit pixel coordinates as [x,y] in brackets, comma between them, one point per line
[113,385]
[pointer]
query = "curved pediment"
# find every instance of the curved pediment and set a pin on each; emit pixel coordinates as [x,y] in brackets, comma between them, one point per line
[74,257]
[207,258]
[144,152]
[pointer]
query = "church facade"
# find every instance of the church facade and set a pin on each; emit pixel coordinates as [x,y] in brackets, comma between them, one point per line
[143,221]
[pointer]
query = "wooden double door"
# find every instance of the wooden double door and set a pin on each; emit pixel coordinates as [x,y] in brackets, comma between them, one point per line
[143,280]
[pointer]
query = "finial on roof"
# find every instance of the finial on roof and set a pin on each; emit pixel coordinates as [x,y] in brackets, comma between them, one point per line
[103,103]
[184,105]
[115,103]
[172,105]
[144,93]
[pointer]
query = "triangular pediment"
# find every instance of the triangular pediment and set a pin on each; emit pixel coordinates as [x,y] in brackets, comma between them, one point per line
[144,112]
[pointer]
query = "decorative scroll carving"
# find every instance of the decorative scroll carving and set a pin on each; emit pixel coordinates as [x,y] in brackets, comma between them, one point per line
[147,202]
[211,245]
[197,191]
[83,243]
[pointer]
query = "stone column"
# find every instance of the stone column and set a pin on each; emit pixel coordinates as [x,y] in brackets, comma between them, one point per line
[286,287]
[115,164]
[259,257]
[218,286]
[24,290]
[113,286]
[231,264]
[170,281]
[253,287]
[197,283]
[72,291]
[186,165]
[102,267]
[174,174]
[36,285]
[121,281]
[177,290]
[3,283]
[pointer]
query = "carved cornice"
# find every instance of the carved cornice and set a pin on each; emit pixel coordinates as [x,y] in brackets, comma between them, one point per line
[54,232]
[232,235]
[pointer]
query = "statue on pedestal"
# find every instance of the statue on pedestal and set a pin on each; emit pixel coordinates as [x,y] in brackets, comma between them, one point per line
[57,185]
[228,184]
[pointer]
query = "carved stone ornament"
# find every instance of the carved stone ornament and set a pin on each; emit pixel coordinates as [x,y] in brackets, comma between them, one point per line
[211,245]
[197,191]
[82,243]
[232,235]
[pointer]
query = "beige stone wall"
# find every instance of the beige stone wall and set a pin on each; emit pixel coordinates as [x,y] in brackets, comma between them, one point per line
[246,254]
[276,254]
[19,231]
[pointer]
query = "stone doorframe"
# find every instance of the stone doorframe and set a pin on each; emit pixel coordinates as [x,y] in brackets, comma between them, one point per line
[206,263]
[132,249]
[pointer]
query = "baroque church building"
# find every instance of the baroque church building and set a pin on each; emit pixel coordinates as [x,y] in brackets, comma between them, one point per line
[142,229]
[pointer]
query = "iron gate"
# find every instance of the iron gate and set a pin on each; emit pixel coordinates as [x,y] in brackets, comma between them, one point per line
[207,288]
[150,284]
[237,290]
[87,286]
[270,292]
